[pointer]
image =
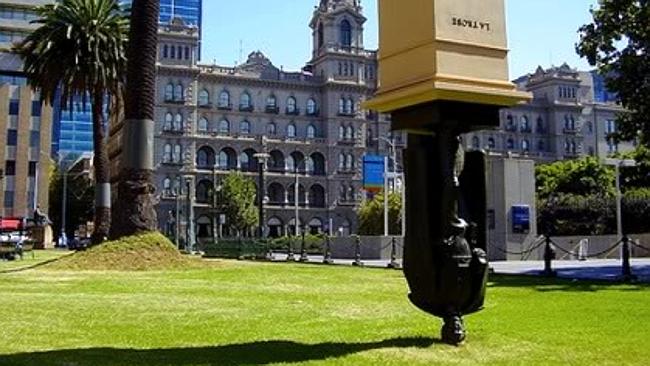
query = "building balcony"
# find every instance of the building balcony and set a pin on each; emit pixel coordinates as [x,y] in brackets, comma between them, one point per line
[174,101]
[246,108]
[224,107]
[272,109]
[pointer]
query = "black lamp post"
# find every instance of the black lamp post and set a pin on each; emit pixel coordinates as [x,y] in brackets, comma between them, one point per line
[261,160]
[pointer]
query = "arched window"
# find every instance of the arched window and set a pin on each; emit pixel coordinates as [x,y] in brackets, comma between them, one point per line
[271,101]
[341,106]
[169,92]
[187,53]
[311,132]
[178,122]
[245,127]
[245,101]
[227,159]
[349,162]
[244,162]
[540,125]
[203,125]
[178,93]
[341,133]
[525,125]
[178,154]
[491,143]
[346,33]
[167,153]
[204,98]
[272,129]
[349,106]
[349,133]
[476,142]
[204,191]
[291,131]
[224,127]
[510,144]
[167,187]
[311,107]
[342,192]
[291,106]
[224,99]
[169,122]
[341,162]
[317,196]
[318,161]
[309,166]
[165,51]
[290,164]
[179,55]
[525,145]
[173,52]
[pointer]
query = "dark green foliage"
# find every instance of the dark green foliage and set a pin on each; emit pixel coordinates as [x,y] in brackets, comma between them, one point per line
[237,248]
[238,201]
[617,43]
[313,243]
[371,215]
[563,215]
[583,177]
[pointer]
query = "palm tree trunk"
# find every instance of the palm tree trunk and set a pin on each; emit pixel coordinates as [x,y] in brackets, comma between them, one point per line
[136,189]
[102,171]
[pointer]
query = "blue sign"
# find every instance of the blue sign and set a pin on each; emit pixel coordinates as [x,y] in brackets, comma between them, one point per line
[520,219]
[373,172]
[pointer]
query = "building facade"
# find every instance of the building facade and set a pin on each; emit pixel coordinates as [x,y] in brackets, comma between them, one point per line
[25,122]
[571,115]
[211,120]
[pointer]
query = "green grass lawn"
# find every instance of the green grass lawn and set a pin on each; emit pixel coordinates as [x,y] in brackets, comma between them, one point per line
[240,313]
[31,259]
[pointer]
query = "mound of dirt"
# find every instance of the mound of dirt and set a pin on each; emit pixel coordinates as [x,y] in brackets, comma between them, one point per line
[145,252]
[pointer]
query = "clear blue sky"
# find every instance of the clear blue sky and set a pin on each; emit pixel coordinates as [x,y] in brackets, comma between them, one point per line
[541,32]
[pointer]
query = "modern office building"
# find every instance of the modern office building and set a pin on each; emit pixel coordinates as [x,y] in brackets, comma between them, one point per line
[571,115]
[25,122]
[213,119]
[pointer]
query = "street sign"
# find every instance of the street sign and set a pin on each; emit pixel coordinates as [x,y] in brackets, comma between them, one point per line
[521,219]
[373,172]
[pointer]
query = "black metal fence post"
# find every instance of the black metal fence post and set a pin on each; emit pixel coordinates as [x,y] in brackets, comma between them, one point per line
[327,256]
[549,255]
[627,268]
[394,264]
[290,256]
[303,250]
[357,252]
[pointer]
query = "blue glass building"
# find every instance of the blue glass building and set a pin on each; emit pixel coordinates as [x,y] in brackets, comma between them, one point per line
[72,131]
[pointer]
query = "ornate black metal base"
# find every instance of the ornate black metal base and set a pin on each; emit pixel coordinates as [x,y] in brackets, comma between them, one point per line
[453,331]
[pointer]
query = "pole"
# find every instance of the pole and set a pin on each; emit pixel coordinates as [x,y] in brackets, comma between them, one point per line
[214,204]
[177,227]
[619,213]
[295,200]
[260,203]
[35,203]
[64,207]
[386,196]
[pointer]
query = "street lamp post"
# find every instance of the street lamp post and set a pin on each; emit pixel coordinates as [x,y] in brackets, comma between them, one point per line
[393,174]
[297,195]
[190,241]
[261,160]
[618,164]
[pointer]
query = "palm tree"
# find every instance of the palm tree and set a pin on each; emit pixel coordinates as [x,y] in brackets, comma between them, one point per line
[136,200]
[78,52]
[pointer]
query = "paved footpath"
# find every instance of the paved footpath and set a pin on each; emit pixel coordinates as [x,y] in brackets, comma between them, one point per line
[597,269]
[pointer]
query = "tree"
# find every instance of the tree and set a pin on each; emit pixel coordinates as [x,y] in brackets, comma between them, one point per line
[581,177]
[617,44]
[136,201]
[371,215]
[78,51]
[238,202]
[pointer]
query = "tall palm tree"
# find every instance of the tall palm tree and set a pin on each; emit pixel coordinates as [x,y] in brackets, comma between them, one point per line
[136,200]
[79,52]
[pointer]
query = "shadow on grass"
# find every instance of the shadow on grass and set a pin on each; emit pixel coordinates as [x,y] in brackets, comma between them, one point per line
[255,353]
[545,284]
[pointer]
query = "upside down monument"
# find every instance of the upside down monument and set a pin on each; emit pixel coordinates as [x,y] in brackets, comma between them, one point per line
[444,72]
